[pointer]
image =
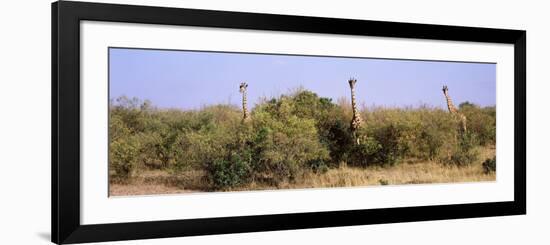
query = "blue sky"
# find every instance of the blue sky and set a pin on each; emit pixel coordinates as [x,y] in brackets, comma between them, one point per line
[190,80]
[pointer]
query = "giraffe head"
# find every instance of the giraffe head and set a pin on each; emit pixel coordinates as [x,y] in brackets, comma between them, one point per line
[352,82]
[242,87]
[445,89]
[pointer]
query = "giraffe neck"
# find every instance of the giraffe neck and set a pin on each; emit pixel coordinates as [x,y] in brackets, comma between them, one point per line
[245,110]
[353,103]
[454,111]
[356,121]
[450,105]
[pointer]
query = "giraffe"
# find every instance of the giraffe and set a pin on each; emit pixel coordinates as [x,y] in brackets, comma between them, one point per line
[242,89]
[454,111]
[356,121]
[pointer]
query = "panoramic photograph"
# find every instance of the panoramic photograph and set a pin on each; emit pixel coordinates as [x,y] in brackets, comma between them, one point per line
[204,121]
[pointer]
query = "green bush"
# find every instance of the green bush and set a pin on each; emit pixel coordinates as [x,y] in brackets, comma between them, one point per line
[481,122]
[318,166]
[365,153]
[124,156]
[284,143]
[330,121]
[233,171]
[422,133]
[464,152]
[490,165]
[334,132]
[435,132]
[392,146]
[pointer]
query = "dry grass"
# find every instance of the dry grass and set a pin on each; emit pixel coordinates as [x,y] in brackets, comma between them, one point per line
[143,189]
[160,182]
[406,173]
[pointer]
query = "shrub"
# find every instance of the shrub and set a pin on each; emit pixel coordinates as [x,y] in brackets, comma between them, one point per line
[436,130]
[204,147]
[318,166]
[283,150]
[307,104]
[117,128]
[490,165]
[284,143]
[233,171]
[130,112]
[392,147]
[334,132]
[481,122]
[226,155]
[205,138]
[162,149]
[329,119]
[429,143]
[462,158]
[124,156]
[464,152]
[367,152]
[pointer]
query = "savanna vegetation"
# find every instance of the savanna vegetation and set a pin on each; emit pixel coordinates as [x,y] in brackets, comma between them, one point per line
[296,140]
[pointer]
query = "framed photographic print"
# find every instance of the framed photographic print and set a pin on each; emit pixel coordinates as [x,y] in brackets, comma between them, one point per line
[176,122]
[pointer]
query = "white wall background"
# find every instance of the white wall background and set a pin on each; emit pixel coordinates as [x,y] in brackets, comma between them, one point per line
[25,121]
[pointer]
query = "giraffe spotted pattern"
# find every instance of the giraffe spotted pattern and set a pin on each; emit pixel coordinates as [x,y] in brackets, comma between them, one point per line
[242,89]
[454,111]
[356,121]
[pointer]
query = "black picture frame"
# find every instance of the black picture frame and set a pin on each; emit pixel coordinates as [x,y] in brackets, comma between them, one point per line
[65,171]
